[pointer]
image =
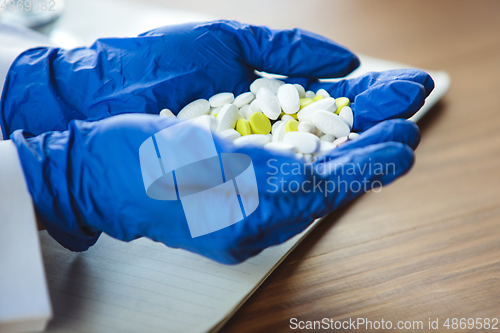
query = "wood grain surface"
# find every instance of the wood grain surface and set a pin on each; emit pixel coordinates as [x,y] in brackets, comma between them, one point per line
[428,245]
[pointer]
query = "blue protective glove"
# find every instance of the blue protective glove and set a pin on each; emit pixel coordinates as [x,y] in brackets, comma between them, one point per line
[169,67]
[88,179]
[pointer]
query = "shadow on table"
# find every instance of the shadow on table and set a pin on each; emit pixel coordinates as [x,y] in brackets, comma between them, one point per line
[432,117]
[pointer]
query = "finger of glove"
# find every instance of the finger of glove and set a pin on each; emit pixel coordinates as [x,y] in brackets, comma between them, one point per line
[293,52]
[375,166]
[270,167]
[390,100]
[353,87]
[361,170]
[395,130]
[273,234]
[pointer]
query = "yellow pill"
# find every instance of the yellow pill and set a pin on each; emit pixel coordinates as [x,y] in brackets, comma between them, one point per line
[341,102]
[292,126]
[215,115]
[243,127]
[305,102]
[259,123]
[318,97]
[293,115]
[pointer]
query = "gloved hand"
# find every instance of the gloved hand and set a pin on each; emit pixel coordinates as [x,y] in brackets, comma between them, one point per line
[169,67]
[88,179]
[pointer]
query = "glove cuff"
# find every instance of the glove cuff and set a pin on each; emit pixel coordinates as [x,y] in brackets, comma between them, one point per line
[49,187]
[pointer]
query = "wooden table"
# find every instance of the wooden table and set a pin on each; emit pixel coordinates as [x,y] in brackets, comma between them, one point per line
[427,246]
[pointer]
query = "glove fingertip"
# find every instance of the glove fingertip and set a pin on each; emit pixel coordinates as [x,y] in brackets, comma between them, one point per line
[426,80]
[405,131]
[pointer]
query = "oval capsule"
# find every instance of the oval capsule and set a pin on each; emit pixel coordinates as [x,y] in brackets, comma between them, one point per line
[306,127]
[300,90]
[329,123]
[221,99]
[252,139]
[227,117]
[305,143]
[166,113]
[194,109]
[279,132]
[347,116]
[271,84]
[288,98]
[229,134]
[326,103]
[268,103]
[244,99]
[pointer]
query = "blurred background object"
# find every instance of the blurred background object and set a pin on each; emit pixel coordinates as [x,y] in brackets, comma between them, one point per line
[35,14]
[76,23]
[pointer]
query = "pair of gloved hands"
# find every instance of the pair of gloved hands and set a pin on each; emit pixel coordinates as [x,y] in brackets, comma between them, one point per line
[84,173]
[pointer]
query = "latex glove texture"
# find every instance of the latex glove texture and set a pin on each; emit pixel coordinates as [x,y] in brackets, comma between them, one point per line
[87,180]
[169,67]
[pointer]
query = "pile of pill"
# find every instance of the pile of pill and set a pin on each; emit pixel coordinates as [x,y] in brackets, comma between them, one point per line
[283,118]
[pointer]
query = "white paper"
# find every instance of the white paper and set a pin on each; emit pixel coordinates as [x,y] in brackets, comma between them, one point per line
[145,286]
[24,298]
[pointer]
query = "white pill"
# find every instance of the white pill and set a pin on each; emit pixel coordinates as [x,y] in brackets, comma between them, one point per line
[308,158]
[329,123]
[212,121]
[347,116]
[281,147]
[227,117]
[246,111]
[271,84]
[306,127]
[221,99]
[229,134]
[322,92]
[341,140]
[214,111]
[300,90]
[353,136]
[327,103]
[317,132]
[268,103]
[166,113]
[327,137]
[273,128]
[244,99]
[305,143]
[255,107]
[289,99]
[286,118]
[241,116]
[194,109]
[252,139]
[310,94]
[279,132]
[325,147]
